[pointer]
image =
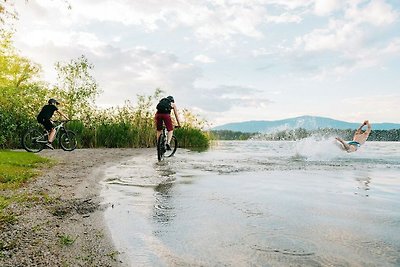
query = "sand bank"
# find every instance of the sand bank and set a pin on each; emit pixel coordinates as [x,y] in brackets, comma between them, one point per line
[60,222]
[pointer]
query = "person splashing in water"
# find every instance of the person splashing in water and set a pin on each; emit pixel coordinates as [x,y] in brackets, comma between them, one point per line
[359,138]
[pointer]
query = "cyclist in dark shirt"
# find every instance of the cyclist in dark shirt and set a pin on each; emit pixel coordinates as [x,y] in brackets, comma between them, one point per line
[44,118]
[163,114]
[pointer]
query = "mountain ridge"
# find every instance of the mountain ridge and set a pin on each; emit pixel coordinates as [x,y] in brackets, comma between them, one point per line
[307,122]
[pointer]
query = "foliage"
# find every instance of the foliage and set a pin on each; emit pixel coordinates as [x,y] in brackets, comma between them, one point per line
[133,126]
[192,120]
[76,87]
[230,135]
[126,126]
[191,137]
[20,93]
[14,69]
[293,134]
[192,134]
[385,135]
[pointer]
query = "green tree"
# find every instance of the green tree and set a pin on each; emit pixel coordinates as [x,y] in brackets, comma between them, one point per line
[76,87]
[21,92]
[15,70]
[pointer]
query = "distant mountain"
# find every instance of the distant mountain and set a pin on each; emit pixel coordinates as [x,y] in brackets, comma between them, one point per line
[306,122]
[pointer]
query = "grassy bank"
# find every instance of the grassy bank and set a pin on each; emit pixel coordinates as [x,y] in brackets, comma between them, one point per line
[15,169]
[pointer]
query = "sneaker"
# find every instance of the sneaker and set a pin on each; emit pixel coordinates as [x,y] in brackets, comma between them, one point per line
[49,145]
[168,147]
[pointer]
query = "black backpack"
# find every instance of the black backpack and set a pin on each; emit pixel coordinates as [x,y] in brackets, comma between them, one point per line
[164,106]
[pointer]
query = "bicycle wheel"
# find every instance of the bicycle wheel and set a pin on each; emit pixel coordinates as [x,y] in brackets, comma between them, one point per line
[34,140]
[174,147]
[161,147]
[68,140]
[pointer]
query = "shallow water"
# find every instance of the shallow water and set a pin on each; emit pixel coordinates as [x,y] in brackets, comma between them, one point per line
[259,203]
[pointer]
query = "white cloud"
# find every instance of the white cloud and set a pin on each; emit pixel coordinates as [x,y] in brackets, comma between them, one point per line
[350,38]
[284,18]
[292,4]
[225,98]
[362,59]
[344,34]
[261,52]
[326,7]
[339,36]
[393,48]
[42,37]
[204,59]
[376,12]
[210,20]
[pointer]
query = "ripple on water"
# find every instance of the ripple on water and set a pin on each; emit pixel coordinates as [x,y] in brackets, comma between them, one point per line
[282,250]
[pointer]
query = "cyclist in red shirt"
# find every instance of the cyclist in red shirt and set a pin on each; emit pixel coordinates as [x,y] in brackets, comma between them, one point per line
[163,115]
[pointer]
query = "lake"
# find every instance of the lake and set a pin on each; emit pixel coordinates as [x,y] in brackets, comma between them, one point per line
[258,203]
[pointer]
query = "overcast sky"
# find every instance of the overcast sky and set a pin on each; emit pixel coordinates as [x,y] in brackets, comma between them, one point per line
[229,60]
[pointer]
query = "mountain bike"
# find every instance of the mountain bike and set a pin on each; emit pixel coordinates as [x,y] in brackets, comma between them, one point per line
[35,140]
[162,145]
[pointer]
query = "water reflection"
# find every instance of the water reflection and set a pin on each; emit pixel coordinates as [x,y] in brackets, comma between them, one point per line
[163,210]
[364,185]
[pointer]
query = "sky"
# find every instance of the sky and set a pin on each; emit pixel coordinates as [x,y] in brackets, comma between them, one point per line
[228,60]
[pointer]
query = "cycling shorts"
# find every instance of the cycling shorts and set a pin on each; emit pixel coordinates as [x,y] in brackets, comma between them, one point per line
[48,125]
[164,118]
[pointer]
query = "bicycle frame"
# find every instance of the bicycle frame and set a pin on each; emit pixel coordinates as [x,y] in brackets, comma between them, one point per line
[161,145]
[57,129]
[35,140]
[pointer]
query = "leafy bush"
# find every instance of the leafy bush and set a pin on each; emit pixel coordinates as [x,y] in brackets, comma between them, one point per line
[191,137]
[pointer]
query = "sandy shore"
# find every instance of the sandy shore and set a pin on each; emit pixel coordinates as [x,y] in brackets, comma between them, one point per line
[61,206]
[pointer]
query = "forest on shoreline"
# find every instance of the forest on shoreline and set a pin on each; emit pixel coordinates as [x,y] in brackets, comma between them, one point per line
[300,133]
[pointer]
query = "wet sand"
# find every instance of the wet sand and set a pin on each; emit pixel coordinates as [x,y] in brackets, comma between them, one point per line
[63,201]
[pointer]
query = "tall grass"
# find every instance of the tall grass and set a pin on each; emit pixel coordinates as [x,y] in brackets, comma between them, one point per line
[118,127]
[190,137]
[132,127]
[129,126]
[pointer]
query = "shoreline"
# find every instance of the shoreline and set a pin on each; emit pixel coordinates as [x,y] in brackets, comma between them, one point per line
[60,219]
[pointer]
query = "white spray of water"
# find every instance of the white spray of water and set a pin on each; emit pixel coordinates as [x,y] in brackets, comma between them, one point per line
[318,148]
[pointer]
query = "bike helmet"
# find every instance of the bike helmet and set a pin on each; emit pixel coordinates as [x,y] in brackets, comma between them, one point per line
[171,98]
[52,101]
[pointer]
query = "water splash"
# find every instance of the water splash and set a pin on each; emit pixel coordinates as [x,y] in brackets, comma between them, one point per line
[317,148]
